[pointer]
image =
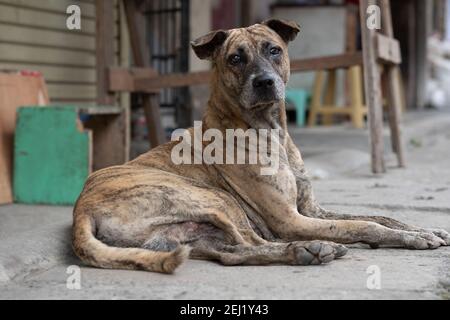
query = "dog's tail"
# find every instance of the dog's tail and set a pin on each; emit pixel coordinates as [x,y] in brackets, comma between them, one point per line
[94,252]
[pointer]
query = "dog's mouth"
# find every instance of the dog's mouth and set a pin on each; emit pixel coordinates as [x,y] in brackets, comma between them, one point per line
[254,99]
[260,105]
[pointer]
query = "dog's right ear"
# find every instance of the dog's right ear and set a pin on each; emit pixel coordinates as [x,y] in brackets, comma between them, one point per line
[205,46]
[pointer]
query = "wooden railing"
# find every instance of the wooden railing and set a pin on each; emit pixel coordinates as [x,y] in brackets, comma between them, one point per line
[147,80]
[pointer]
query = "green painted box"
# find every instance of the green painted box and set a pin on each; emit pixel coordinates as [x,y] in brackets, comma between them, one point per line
[52,155]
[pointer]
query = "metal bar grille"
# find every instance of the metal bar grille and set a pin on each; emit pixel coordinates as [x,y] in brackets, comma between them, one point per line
[168,36]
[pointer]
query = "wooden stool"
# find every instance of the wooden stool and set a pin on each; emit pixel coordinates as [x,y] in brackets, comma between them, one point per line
[357,111]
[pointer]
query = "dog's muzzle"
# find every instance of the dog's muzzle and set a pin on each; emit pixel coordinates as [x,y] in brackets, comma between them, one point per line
[266,88]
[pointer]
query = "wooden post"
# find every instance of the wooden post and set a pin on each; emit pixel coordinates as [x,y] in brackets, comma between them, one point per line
[351,29]
[330,96]
[351,22]
[316,102]
[356,98]
[412,54]
[246,13]
[373,91]
[394,90]
[424,17]
[110,141]
[150,101]
[124,60]
[104,49]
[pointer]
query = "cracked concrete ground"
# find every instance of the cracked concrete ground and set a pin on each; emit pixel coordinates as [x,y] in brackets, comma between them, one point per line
[35,241]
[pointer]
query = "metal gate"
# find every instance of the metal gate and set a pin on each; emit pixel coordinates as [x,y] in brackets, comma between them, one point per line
[168,35]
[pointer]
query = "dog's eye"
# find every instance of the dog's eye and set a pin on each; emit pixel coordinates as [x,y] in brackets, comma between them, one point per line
[235,59]
[275,51]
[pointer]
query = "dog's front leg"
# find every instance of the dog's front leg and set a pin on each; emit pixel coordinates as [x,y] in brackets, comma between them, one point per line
[308,206]
[275,198]
[319,212]
[291,225]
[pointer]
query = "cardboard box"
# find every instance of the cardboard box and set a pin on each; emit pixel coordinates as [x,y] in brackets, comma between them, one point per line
[17,89]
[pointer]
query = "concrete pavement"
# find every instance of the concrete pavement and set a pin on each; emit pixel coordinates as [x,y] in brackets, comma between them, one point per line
[35,240]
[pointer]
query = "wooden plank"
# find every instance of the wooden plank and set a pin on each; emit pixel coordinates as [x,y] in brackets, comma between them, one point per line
[145,81]
[388,49]
[395,93]
[327,62]
[16,53]
[123,79]
[140,57]
[171,81]
[373,91]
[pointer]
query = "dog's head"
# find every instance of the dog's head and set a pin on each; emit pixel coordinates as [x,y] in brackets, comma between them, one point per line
[252,63]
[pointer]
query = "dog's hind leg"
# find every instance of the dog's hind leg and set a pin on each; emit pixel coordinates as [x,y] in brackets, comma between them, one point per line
[294,253]
[208,242]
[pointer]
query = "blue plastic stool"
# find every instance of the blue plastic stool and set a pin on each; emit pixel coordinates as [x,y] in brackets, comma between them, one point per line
[299,98]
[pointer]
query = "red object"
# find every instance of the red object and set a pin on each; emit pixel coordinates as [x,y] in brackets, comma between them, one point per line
[224,15]
[30,73]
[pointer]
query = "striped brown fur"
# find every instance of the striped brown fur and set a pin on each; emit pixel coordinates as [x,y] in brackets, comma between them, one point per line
[151,214]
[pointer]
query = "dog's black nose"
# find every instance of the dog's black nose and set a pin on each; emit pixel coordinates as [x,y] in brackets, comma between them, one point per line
[263,82]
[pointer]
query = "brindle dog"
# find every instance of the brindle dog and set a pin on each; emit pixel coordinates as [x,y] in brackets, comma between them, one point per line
[151,214]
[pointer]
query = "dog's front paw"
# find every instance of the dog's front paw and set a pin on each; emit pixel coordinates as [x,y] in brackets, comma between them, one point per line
[422,240]
[316,252]
[444,235]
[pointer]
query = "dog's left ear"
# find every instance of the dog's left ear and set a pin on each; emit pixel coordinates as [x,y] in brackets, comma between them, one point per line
[287,30]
